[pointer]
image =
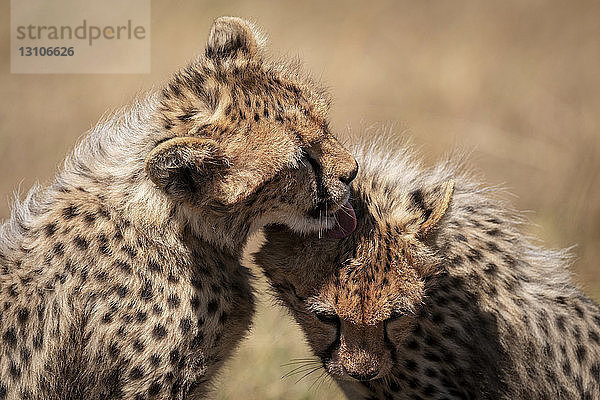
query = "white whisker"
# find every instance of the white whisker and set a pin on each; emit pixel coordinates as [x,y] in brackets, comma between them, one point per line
[308,373]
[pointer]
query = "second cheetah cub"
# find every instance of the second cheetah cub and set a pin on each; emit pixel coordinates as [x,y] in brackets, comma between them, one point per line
[122,279]
[436,295]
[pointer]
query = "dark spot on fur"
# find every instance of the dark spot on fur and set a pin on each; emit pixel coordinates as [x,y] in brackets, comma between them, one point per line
[566,367]
[429,390]
[195,302]
[490,268]
[113,350]
[417,199]
[197,341]
[103,212]
[196,283]
[23,315]
[186,116]
[173,301]
[50,229]
[185,325]
[172,278]
[89,218]
[580,352]
[141,316]
[130,251]
[594,337]
[159,331]
[413,383]
[103,247]
[212,307]
[154,266]
[449,331]
[493,232]
[412,345]
[155,360]
[102,276]
[595,372]
[174,356]
[460,237]
[155,389]
[146,292]
[560,323]
[121,290]
[10,337]
[15,370]
[437,318]
[474,255]
[411,365]
[123,266]
[70,212]
[138,345]
[136,373]
[38,340]
[493,247]
[25,356]
[81,242]
[431,356]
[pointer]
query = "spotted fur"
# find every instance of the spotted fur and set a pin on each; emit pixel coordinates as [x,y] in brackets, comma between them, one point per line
[122,278]
[435,300]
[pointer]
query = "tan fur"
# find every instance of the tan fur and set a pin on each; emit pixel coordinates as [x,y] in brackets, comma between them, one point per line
[122,279]
[442,196]
[437,294]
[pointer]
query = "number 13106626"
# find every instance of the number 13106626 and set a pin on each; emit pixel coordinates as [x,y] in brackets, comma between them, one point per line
[46,51]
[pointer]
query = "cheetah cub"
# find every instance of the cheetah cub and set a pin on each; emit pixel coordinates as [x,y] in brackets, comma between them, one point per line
[122,278]
[436,295]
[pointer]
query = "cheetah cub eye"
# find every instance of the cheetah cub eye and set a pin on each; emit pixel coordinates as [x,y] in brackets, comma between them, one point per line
[328,318]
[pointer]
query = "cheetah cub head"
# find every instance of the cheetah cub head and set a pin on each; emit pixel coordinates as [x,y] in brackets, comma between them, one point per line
[242,135]
[357,299]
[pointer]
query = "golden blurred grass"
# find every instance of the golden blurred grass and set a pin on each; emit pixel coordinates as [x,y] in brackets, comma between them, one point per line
[516,82]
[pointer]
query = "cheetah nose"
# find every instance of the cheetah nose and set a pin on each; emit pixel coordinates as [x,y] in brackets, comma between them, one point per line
[364,376]
[349,177]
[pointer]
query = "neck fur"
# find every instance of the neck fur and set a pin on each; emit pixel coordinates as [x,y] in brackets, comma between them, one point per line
[109,164]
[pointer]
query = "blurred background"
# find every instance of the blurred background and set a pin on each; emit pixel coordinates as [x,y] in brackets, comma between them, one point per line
[517,83]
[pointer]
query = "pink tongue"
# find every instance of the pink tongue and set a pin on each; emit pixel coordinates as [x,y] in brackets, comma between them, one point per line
[346,222]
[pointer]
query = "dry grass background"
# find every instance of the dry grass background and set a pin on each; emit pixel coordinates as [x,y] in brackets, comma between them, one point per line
[516,82]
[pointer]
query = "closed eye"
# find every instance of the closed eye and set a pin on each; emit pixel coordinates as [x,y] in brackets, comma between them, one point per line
[314,164]
[395,315]
[327,318]
[332,320]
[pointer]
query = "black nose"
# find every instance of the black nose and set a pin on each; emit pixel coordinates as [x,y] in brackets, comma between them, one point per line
[349,177]
[363,376]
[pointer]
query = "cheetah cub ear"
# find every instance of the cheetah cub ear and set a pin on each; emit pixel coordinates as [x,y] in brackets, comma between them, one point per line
[184,167]
[232,37]
[434,203]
